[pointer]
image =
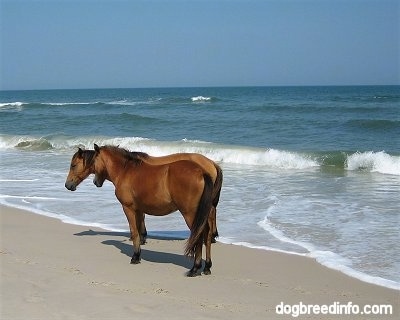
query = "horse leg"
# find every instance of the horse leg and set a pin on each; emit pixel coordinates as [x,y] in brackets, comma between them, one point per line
[143,231]
[130,224]
[197,262]
[213,217]
[133,219]
[198,251]
[208,236]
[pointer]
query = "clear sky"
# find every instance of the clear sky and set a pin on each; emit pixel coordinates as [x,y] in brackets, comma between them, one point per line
[177,43]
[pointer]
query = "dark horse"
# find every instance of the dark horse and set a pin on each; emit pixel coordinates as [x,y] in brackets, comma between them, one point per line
[159,190]
[82,166]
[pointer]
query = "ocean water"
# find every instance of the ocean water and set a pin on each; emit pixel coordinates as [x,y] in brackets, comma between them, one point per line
[313,171]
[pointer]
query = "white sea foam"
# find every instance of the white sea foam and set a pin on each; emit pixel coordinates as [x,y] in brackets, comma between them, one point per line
[18,180]
[61,217]
[374,162]
[267,226]
[11,104]
[370,161]
[324,257]
[63,143]
[227,240]
[200,99]
[222,153]
[19,104]
[10,142]
[225,153]
[122,102]
[68,103]
[337,262]
[237,155]
[6,196]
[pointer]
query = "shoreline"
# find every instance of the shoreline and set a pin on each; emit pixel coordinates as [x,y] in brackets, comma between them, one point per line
[358,275]
[64,271]
[183,235]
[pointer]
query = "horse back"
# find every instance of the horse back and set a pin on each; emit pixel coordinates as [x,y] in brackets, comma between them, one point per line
[185,172]
[205,163]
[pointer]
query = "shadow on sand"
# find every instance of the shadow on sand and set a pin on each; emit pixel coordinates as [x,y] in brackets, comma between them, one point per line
[157,235]
[147,255]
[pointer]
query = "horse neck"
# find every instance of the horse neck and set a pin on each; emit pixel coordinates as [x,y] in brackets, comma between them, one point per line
[113,165]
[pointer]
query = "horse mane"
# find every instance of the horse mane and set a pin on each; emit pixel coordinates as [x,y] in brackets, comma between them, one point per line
[138,154]
[134,157]
[87,156]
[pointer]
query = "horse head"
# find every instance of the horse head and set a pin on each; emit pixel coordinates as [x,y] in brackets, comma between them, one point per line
[100,171]
[81,167]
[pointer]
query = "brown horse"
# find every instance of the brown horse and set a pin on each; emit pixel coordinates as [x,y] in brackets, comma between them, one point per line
[208,166]
[82,166]
[160,190]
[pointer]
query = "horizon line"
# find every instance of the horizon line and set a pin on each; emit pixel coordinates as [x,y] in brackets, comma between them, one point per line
[222,86]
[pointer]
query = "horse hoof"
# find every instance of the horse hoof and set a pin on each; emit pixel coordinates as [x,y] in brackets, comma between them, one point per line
[192,274]
[206,272]
[135,261]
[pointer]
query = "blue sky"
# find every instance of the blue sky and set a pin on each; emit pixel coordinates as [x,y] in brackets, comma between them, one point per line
[178,43]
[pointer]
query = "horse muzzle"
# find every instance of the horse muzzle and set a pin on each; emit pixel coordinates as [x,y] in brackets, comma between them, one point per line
[70,185]
[97,183]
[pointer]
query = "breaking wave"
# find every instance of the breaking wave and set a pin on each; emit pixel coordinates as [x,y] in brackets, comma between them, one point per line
[11,104]
[369,161]
[200,99]
[374,162]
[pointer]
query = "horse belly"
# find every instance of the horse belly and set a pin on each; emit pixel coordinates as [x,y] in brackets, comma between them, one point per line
[157,202]
[158,209]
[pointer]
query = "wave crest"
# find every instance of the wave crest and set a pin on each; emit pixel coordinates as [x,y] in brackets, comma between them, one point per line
[12,106]
[369,161]
[374,162]
[35,145]
[25,143]
[200,99]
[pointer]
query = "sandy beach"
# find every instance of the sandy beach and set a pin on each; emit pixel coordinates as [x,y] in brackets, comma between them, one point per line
[53,270]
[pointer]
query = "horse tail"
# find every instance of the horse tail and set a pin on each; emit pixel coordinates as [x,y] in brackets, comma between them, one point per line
[215,197]
[217,185]
[201,218]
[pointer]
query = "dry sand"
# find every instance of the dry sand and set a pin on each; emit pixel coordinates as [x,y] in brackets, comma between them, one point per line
[52,270]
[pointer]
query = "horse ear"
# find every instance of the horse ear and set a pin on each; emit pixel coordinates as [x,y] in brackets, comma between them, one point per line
[96,148]
[80,151]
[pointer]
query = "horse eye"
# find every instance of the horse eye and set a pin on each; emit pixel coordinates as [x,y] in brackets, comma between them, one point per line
[73,166]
